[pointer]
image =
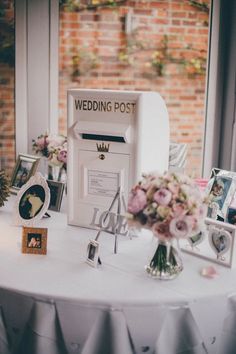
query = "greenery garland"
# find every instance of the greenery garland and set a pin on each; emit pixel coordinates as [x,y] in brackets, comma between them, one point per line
[78,5]
[4,187]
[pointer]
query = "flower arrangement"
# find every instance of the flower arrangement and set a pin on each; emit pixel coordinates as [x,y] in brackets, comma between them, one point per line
[53,147]
[171,205]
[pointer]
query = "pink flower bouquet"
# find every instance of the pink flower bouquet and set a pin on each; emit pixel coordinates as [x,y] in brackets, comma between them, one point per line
[54,148]
[171,205]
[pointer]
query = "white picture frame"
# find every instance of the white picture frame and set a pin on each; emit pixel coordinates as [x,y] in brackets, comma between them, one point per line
[209,247]
[93,253]
[32,201]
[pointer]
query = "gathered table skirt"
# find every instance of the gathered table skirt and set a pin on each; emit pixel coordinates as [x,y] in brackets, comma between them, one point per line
[58,304]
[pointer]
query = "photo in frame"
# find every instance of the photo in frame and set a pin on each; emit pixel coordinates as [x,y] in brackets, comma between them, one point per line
[231,215]
[34,240]
[215,244]
[220,189]
[56,194]
[93,253]
[32,201]
[25,167]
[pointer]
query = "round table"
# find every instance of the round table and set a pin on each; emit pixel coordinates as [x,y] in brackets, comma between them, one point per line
[57,303]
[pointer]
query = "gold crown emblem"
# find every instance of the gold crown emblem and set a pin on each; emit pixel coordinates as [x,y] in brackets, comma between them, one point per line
[102,147]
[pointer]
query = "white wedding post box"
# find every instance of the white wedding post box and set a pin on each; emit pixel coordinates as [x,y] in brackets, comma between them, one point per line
[113,137]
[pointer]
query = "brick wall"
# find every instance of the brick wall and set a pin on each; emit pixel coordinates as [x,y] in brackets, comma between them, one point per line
[7,117]
[7,95]
[93,45]
[95,52]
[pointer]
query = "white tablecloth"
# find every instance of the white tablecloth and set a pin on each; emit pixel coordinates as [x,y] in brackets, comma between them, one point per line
[59,304]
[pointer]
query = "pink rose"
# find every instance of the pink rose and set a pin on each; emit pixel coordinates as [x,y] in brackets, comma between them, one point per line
[62,155]
[180,227]
[137,201]
[173,188]
[178,209]
[161,230]
[41,142]
[162,196]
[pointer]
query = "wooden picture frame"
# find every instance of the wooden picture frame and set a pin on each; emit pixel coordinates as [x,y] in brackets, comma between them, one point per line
[32,201]
[56,194]
[34,240]
[25,167]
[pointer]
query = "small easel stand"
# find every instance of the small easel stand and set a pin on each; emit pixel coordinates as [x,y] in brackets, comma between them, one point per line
[119,197]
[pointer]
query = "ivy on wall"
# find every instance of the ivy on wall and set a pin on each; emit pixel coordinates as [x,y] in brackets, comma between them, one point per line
[83,60]
[201,5]
[80,5]
[158,58]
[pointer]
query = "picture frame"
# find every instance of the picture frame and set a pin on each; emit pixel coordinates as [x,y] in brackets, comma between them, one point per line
[25,167]
[216,245]
[56,194]
[231,215]
[34,240]
[220,189]
[32,201]
[93,253]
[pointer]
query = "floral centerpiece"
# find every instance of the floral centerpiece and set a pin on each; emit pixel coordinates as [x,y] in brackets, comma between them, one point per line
[54,149]
[172,207]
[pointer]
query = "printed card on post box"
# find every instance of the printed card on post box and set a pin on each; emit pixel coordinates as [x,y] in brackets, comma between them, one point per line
[113,137]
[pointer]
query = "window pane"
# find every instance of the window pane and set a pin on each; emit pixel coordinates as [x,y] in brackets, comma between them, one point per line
[7,85]
[140,45]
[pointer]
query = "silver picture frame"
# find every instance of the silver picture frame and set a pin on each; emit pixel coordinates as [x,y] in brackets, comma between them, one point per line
[25,167]
[220,190]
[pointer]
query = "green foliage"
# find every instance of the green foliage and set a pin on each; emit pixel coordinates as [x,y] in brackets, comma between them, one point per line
[83,61]
[201,5]
[159,57]
[80,5]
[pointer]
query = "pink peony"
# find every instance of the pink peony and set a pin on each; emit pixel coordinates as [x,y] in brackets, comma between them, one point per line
[162,196]
[62,155]
[161,230]
[178,209]
[137,201]
[41,143]
[173,188]
[180,227]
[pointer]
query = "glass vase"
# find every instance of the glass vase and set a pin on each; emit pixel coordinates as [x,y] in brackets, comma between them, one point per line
[54,172]
[165,262]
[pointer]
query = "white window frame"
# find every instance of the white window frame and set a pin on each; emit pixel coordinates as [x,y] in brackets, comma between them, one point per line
[37,37]
[220,130]
[36,70]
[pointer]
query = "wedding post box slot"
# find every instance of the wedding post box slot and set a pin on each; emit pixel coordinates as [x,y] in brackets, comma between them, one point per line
[113,137]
